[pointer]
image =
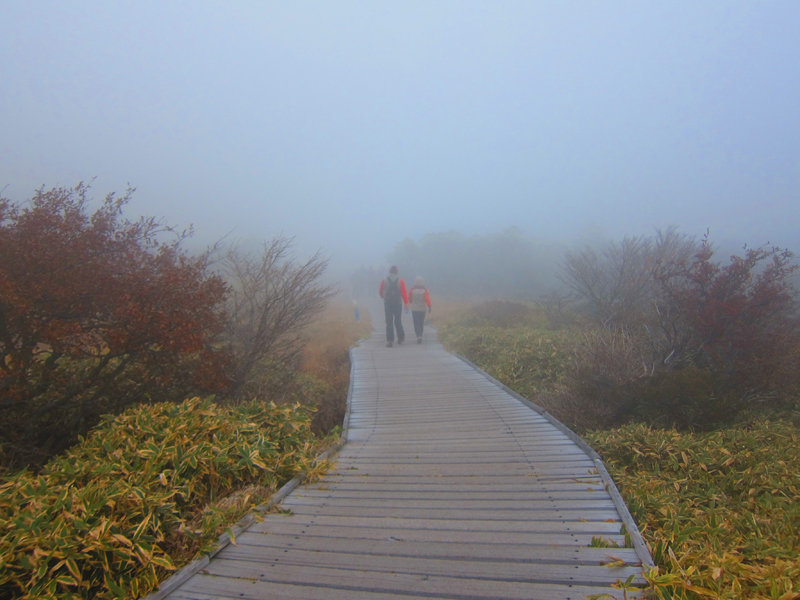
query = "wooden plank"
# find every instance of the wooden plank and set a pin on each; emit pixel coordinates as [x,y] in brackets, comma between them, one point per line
[556,515]
[381,448]
[520,525]
[242,581]
[559,490]
[568,460]
[445,567]
[479,450]
[543,504]
[477,481]
[521,553]
[209,587]
[462,536]
[451,437]
[456,417]
[466,470]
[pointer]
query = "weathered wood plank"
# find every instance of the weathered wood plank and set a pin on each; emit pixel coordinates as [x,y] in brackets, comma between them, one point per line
[519,525]
[434,470]
[523,553]
[445,567]
[360,489]
[477,481]
[464,536]
[543,504]
[556,515]
[570,460]
[243,581]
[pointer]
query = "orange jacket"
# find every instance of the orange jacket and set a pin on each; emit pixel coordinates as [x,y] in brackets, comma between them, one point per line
[402,290]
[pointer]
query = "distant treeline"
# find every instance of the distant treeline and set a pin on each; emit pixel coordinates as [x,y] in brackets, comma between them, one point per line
[505,264]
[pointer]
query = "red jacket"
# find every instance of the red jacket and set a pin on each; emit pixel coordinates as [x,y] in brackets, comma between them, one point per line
[402,290]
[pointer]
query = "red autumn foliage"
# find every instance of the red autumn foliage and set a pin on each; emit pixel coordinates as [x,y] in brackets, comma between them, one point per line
[96,313]
[739,320]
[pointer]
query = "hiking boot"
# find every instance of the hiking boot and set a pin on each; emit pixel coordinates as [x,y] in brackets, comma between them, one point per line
[419,340]
[389,344]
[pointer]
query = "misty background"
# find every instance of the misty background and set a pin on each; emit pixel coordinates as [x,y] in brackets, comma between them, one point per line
[369,129]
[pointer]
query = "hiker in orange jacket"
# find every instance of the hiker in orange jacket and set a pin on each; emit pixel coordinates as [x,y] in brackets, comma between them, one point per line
[418,297]
[393,292]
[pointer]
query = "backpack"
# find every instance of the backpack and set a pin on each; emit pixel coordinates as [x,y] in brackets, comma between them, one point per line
[391,293]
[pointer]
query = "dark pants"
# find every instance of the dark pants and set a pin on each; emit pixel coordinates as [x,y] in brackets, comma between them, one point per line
[419,321]
[394,313]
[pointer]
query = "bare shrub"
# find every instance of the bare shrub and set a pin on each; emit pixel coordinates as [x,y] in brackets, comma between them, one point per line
[273,298]
[604,363]
[612,380]
[616,286]
[560,307]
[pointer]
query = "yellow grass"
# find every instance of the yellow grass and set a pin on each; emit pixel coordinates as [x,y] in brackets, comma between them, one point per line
[326,359]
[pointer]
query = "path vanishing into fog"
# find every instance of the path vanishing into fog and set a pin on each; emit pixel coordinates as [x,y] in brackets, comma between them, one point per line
[448,487]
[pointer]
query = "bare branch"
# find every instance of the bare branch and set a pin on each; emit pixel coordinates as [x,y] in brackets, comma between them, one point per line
[273,297]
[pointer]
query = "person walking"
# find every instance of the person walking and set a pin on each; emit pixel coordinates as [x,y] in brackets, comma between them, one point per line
[393,292]
[418,298]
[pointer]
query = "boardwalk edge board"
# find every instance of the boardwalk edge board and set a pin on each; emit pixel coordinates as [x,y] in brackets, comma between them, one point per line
[177,579]
[630,525]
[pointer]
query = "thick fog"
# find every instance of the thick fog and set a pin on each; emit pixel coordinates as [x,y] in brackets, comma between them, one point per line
[354,125]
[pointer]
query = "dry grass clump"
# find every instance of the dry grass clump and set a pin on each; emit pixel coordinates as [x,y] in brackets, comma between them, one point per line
[503,314]
[446,311]
[326,362]
[612,378]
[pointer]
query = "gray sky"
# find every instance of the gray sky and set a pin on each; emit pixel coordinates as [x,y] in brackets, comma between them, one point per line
[355,124]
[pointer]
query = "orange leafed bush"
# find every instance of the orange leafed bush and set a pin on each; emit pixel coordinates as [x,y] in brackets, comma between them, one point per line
[97,313]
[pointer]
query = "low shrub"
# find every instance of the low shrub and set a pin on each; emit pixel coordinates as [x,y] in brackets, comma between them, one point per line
[595,388]
[121,509]
[611,381]
[687,399]
[720,511]
[528,360]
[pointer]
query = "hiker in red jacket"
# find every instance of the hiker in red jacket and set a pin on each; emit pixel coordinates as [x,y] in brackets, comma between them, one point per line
[418,298]
[393,292]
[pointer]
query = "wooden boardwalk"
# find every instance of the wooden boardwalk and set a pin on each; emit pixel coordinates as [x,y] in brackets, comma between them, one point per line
[447,487]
